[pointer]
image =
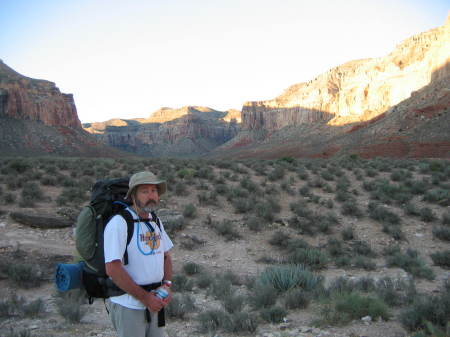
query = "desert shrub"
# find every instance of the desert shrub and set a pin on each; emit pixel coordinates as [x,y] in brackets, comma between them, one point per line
[276,174]
[446,218]
[284,278]
[211,320]
[48,180]
[181,189]
[241,322]
[348,234]
[438,195]
[207,198]
[297,299]
[71,195]
[181,283]
[180,305]
[400,175]
[411,209]
[431,308]
[25,275]
[311,257]
[9,198]
[262,295]
[32,191]
[221,189]
[232,277]
[295,243]
[300,208]
[226,229]
[221,288]
[267,208]
[233,303]
[204,280]
[442,232]
[274,314]
[190,211]
[335,247]
[255,223]
[350,306]
[19,166]
[191,268]
[395,292]
[382,214]
[364,263]
[362,248]
[441,259]
[411,263]
[394,231]
[343,261]
[243,205]
[279,239]
[351,208]
[33,308]
[70,303]
[427,215]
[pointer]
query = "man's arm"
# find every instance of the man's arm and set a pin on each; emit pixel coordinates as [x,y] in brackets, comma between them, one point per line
[167,266]
[122,279]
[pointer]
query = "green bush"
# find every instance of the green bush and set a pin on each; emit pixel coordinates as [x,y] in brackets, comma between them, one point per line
[442,232]
[191,268]
[70,303]
[274,314]
[446,218]
[297,299]
[212,320]
[427,215]
[262,295]
[351,208]
[233,303]
[190,211]
[362,248]
[431,308]
[311,257]
[441,259]
[255,223]
[181,283]
[284,278]
[204,280]
[238,322]
[410,262]
[221,288]
[439,196]
[226,229]
[180,305]
[382,214]
[353,306]
[348,234]
[25,275]
[364,263]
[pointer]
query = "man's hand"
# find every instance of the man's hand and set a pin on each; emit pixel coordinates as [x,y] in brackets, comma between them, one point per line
[153,302]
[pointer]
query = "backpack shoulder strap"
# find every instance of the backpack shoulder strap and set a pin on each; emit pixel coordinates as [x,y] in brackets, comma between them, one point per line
[158,222]
[130,229]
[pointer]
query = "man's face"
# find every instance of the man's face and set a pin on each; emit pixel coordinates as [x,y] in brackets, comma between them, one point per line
[147,197]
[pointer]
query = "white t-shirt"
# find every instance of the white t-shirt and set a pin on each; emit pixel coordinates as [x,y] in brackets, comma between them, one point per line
[145,253]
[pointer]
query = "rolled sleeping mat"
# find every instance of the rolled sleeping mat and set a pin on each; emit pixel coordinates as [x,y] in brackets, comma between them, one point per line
[68,276]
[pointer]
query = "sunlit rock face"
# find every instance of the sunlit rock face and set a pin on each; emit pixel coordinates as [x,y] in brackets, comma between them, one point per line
[39,100]
[183,132]
[358,90]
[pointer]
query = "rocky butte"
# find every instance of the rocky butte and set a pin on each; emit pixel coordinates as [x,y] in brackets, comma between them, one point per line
[191,130]
[37,119]
[350,96]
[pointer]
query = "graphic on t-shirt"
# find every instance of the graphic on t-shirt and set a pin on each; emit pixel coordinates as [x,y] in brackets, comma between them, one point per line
[151,239]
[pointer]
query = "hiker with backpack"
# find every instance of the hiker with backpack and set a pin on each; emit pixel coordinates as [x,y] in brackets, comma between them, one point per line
[140,266]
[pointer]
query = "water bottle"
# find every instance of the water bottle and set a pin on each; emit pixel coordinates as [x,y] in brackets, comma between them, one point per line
[161,292]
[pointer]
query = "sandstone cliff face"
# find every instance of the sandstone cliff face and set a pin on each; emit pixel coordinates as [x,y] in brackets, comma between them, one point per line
[186,131]
[26,98]
[358,90]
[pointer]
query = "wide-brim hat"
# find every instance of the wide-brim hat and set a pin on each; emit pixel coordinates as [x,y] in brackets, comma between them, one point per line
[146,178]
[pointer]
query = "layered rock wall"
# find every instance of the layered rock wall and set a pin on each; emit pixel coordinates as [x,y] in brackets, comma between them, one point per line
[358,90]
[39,100]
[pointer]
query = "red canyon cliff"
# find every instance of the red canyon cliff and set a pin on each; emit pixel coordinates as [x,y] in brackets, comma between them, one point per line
[354,96]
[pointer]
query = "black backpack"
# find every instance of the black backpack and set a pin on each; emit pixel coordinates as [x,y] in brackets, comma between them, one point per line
[107,200]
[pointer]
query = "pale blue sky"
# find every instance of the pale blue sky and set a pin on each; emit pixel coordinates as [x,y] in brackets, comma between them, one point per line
[126,59]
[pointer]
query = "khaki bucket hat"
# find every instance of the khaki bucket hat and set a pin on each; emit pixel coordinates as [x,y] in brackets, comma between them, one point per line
[144,178]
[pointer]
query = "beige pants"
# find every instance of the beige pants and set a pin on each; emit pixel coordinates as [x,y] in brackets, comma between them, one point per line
[133,323]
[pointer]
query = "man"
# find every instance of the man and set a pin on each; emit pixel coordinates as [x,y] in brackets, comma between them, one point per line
[139,312]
